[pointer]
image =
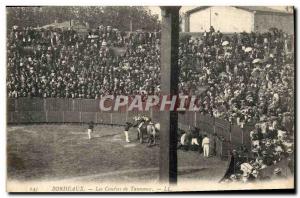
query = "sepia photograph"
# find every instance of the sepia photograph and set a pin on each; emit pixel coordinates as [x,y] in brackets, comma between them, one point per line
[144,99]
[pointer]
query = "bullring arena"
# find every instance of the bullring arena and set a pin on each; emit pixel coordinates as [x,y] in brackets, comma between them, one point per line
[47,139]
[64,152]
[45,145]
[236,133]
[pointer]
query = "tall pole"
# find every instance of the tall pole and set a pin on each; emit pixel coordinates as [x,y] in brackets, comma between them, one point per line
[209,17]
[131,25]
[169,86]
[130,22]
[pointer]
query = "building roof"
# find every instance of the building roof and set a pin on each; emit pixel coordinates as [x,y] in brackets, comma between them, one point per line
[67,24]
[261,9]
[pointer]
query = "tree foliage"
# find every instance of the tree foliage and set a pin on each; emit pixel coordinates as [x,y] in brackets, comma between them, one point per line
[116,16]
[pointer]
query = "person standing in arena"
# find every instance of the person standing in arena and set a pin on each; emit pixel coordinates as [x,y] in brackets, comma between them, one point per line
[183,141]
[205,146]
[127,127]
[90,129]
[195,135]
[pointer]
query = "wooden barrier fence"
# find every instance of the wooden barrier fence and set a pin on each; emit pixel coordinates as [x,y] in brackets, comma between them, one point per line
[61,110]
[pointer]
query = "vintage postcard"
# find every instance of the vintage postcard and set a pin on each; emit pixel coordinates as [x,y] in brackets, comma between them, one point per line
[150,99]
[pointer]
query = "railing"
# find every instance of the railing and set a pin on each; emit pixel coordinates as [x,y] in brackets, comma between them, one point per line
[63,110]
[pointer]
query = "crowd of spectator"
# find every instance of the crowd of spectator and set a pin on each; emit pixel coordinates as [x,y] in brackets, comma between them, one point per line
[63,63]
[271,156]
[248,77]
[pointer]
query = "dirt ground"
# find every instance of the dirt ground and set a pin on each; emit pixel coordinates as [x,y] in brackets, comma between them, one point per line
[62,152]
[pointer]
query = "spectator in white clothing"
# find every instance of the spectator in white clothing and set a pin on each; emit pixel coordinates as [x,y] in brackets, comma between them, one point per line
[205,146]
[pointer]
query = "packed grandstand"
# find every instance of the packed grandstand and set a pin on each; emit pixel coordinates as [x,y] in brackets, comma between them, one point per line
[250,76]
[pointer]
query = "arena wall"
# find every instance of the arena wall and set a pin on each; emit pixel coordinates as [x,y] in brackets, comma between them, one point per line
[223,18]
[225,136]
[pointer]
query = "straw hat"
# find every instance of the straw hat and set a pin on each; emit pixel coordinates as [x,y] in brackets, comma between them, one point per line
[248,49]
[277,171]
[225,43]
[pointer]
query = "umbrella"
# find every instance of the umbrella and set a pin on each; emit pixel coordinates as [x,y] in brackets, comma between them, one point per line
[125,67]
[143,92]
[248,49]
[272,118]
[268,65]
[193,38]
[257,60]
[263,118]
[118,51]
[93,36]
[223,74]
[225,43]
[255,71]
[104,43]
